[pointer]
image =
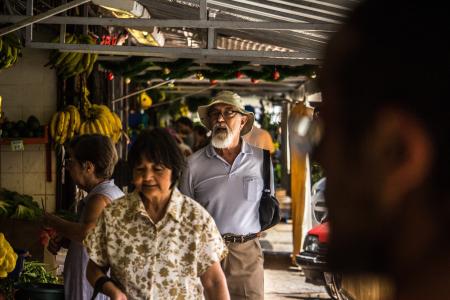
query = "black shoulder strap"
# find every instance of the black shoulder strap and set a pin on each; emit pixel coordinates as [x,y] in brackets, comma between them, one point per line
[266,171]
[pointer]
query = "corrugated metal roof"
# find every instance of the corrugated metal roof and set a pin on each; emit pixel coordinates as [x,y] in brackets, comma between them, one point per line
[303,11]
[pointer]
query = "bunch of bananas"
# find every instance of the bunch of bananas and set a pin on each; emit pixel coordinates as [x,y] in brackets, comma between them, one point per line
[70,64]
[101,120]
[10,50]
[8,257]
[65,124]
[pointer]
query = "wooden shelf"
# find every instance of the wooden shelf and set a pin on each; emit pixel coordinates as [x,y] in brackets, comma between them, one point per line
[28,141]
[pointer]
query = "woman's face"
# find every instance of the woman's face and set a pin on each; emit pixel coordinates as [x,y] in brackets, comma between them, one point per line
[152,180]
[76,170]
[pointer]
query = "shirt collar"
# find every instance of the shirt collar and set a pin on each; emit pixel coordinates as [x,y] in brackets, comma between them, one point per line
[173,209]
[245,148]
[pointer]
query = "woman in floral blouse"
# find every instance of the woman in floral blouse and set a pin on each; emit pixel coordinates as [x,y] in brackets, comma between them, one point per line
[158,243]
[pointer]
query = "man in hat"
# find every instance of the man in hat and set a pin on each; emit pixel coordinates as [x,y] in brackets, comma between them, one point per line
[226,178]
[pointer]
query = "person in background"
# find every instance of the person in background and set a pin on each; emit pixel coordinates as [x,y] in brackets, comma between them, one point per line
[226,177]
[184,127]
[385,145]
[91,160]
[201,138]
[156,242]
[259,137]
[185,149]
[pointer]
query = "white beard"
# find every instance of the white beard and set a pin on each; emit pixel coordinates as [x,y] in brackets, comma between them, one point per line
[222,140]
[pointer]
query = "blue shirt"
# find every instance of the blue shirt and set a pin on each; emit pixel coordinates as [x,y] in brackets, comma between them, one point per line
[230,193]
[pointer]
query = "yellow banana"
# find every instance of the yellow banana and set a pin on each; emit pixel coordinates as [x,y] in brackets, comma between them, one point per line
[60,126]
[99,127]
[93,129]
[65,127]
[83,128]
[117,120]
[53,125]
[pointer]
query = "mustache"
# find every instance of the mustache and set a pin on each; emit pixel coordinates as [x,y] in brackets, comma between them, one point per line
[219,128]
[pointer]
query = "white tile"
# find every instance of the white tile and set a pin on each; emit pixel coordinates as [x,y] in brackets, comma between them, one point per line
[50,187]
[13,113]
[34,147]
[12,182]
[11,162]
[34,110]
[33,161]
[5,148]
[34,183]
[50,203]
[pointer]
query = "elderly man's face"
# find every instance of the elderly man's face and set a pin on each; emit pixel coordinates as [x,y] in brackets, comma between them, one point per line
[226,123]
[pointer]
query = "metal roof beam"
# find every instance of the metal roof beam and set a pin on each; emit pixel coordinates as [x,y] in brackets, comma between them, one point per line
[177,23]
[37,18]
[149,51]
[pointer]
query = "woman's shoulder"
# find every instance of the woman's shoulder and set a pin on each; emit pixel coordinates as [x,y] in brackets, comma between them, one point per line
[118,205]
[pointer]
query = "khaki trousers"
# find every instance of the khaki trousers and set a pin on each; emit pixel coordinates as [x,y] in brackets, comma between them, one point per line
[244,270]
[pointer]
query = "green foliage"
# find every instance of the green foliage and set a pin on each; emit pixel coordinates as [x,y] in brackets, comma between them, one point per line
[181,68]
[7,288]
[316,172]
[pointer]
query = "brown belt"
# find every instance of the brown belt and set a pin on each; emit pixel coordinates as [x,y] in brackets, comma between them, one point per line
[234,238]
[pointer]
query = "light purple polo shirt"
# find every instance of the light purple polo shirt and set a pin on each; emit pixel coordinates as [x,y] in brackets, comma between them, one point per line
[230,193]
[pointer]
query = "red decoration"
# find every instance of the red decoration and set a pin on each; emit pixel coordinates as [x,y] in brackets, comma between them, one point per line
[276,75]
[253,80]
[110,76]
[213,81]
[239,75]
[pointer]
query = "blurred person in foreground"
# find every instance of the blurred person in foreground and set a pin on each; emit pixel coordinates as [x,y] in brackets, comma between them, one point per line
[156,242]
[386,145]
[90,162]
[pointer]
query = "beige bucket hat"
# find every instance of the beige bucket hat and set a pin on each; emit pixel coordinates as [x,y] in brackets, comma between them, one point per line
[226,97]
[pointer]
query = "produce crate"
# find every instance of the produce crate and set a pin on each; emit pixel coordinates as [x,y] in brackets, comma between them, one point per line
[22,234]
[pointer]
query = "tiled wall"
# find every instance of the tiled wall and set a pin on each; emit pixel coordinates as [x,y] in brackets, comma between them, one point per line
[28,88]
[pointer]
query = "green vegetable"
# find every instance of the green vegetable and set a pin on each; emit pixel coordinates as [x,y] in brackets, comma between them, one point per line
[35,272]
[4,208]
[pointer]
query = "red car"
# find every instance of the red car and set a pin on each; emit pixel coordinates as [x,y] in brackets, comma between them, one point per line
[313,261]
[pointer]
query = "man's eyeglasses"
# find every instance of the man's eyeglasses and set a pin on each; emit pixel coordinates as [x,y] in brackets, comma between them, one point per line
[226,114]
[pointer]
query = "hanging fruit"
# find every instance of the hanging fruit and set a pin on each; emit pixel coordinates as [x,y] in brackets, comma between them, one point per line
[254,81]
[213,81]
[110,76]
[145,101]
[276,75]
[199,76]
[69,64]
[10,50]
[239,75]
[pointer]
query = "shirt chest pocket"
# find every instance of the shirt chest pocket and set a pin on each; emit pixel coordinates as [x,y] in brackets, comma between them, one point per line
[252,185]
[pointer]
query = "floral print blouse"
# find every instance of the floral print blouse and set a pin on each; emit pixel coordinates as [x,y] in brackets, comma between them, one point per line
[156,261]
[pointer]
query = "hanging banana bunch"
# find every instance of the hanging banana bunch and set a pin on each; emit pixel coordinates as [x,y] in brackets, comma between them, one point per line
[100,119]
[10,50]
[65,124]
[70,64]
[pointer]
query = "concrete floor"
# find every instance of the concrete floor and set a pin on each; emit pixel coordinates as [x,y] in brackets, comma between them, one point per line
[283,281]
